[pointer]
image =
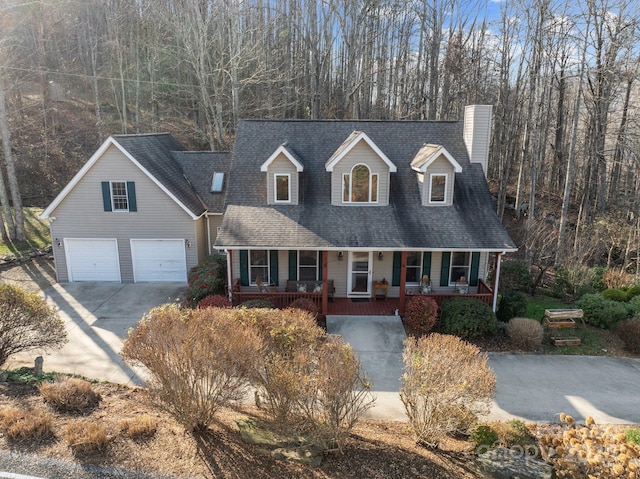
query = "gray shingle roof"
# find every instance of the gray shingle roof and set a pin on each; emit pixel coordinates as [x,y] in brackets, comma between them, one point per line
[154,153]
[198,167]
[470,223]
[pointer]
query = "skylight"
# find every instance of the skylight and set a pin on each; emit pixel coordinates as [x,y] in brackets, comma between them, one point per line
[216,182]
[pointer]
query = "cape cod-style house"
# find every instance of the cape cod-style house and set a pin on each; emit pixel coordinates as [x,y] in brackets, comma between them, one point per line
[302,208]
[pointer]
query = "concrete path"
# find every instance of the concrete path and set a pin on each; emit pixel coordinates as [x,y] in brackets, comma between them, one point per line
[97,316]
[378,342]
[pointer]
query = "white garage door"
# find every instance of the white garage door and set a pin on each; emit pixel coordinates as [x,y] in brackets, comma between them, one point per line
[92,259]
[159,260]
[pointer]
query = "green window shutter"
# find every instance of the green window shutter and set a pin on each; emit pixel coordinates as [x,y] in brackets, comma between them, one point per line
[444,269]
[244,267]
[397,268]
[426,263]
[475,266]
[106,195]
[293,265]
[131,196]
[320,266]
[273,266]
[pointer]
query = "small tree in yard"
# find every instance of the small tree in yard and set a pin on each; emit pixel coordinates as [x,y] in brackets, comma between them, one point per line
[446,385]
[27,323]
[199,360]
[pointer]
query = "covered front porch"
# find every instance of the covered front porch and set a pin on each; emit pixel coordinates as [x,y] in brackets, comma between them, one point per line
[358,282]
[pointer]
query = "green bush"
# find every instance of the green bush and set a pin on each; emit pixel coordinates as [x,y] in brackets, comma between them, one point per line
[467,318]
[633,292]
[633,436]
[577,280]
[616,294]
[633,307]
[421,313]
[257,304]
[602,313]
[483,435]
[207,278]
[629,332]
[512,304]
[515,275]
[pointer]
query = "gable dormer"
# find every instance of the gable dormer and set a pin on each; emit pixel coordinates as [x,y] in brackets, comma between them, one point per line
[282,170]
[436,170]
[360,173]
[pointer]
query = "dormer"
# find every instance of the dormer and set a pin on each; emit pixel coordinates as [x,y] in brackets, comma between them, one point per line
[282,169]
[436,170]
[360,173]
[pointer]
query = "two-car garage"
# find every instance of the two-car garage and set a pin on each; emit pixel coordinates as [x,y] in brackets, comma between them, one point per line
[153,260]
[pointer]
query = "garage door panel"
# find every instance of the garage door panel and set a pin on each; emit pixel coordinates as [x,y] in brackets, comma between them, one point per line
[159,260]
[92,259]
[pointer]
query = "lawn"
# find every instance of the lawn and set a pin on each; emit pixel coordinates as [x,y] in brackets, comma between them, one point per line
[36,234]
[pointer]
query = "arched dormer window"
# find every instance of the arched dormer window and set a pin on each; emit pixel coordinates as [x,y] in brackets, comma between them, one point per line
[360,186]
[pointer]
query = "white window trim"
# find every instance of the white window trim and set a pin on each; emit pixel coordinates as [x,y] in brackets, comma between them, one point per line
[308,266]
[420,257]
[275,187]
[451,266]
[371,175]
[113,203]
[265,280]
[446,188]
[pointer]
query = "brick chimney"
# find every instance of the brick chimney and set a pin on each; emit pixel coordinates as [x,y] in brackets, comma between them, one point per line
[477,133]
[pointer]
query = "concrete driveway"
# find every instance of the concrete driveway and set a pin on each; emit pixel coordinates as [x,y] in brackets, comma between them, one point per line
[97,317]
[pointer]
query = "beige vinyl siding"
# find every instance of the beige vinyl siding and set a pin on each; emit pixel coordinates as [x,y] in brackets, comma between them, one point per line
[201,235]
[282,165]
[440,166]
[214,223]
[361,153]
[81,214]
[338,272]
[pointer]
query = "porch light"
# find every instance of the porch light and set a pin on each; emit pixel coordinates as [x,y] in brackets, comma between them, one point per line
[380,255]
[187,243]
[340,255]
[58,242]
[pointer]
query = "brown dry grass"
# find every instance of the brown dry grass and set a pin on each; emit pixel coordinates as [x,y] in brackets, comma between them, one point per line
[69,394]
[28,426]
[376,449]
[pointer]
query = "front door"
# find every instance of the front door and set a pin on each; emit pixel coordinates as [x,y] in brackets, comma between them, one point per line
[359,281]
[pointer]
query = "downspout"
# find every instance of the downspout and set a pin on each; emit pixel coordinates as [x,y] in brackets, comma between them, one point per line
[208,236]
[497,282]
[229,274]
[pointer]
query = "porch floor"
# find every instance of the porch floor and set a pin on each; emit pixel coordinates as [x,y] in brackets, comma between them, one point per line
[380,307]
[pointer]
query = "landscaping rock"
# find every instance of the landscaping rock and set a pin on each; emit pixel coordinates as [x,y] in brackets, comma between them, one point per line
[502,463]
[309,455]
[289,448]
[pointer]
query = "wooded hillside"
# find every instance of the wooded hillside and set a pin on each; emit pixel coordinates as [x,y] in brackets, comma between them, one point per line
[562,77]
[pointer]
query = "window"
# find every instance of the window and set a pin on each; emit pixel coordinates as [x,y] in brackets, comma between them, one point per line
[307,265]
[259,265]
[460,266]
[360,186]
[119,199]
[282,188]
[438,189]
[216,182]
[414,267]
